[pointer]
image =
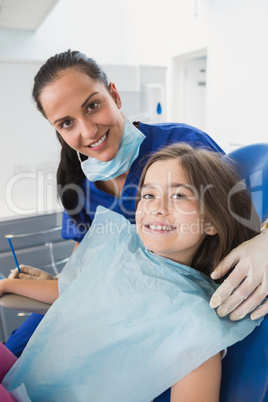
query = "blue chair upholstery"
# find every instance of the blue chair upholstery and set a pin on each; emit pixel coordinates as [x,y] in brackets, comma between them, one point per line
[252,163]
[245,367]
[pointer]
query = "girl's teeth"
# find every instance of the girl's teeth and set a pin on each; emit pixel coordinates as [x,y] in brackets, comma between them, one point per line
[159,227]
[98,142]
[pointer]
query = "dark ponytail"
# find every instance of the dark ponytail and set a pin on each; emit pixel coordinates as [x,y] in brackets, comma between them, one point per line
[69,172]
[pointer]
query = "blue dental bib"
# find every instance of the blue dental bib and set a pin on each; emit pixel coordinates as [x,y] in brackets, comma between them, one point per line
[127,326]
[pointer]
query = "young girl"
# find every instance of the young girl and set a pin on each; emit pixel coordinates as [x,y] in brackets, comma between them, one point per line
[133,317]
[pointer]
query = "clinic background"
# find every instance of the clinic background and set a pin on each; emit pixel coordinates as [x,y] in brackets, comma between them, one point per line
[206,61]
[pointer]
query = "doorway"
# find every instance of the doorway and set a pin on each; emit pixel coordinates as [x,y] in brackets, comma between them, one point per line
[189,81]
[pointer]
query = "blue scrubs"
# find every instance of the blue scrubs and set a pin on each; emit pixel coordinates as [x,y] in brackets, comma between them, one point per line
[156,137]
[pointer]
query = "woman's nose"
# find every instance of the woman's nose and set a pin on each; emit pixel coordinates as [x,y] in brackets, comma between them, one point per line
[88,129]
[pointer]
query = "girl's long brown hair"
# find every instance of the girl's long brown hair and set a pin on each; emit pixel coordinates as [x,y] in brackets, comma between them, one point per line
[224,200]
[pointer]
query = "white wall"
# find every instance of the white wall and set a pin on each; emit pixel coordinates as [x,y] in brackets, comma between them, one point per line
[151,32]
[30,152]
[235,36]
[237,71]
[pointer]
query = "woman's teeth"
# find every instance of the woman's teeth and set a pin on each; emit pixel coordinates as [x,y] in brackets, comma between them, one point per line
[100,141]
[159,227]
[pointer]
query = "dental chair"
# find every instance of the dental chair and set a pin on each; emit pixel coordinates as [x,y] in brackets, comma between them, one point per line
[245,367]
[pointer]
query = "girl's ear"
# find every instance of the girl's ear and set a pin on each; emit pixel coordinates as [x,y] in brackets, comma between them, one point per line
[115,95]
[210,229]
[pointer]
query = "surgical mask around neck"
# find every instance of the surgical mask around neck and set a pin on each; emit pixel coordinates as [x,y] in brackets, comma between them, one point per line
[128,151]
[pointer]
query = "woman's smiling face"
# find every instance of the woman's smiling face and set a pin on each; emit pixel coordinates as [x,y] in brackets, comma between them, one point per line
[168,216]
[85,113]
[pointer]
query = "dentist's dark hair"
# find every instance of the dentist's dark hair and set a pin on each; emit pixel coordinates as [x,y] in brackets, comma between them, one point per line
[69,173]
[222,198]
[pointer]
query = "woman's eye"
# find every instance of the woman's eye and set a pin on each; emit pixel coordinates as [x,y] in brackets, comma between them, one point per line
[93,105]
[66,124]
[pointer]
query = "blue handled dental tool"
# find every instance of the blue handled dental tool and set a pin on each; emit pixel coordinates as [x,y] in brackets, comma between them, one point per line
[8,237]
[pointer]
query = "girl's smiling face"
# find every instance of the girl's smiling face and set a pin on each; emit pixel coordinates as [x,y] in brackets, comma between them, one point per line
[85,113]
[168,216]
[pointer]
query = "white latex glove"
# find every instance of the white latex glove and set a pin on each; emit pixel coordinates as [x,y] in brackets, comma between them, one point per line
[28,272]
[247,286]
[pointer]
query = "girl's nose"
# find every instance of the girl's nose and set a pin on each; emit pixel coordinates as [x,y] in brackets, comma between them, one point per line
[158,207]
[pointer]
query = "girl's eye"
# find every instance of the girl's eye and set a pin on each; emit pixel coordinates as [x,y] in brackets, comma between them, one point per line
[66,124]
[93,105]
[148,196]
[178,196]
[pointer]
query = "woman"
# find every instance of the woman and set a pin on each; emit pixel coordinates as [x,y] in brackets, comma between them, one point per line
[133,317]
[73,93]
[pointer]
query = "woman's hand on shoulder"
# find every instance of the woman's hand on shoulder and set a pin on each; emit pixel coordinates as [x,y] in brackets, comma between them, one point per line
[245,290]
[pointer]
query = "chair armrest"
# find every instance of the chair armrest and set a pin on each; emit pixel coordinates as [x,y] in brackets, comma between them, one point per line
[16,302]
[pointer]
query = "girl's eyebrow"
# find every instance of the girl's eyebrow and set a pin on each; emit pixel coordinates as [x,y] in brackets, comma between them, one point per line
[83,104]
[173,185]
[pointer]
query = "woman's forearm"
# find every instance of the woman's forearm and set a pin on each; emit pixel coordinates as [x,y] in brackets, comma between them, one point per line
[42,290]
